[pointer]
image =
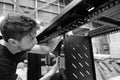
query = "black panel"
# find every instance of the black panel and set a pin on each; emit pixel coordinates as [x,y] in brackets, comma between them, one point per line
[34,67]
[79,58]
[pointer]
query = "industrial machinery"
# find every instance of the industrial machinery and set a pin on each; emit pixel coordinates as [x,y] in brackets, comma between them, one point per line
[104,16]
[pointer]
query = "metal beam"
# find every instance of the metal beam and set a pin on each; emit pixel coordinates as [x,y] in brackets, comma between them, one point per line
[110,21]
[17,5]
[107,22]
[103,23]
[42,6]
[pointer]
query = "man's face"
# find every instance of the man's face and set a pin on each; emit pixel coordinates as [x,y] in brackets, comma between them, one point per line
[28,41]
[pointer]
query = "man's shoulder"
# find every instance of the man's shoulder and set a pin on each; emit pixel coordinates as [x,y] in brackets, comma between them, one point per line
[5,62]
[3,56]
[2,49]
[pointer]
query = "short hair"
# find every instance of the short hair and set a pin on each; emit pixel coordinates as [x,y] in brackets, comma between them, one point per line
[16,26]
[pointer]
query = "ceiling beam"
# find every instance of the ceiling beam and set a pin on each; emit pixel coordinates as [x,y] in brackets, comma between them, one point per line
[14,1]
[39,8]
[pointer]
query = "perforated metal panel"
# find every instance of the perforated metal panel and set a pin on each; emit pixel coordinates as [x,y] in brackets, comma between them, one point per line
[79,58]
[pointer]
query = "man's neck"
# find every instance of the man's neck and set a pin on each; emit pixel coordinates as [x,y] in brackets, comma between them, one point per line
[12,49]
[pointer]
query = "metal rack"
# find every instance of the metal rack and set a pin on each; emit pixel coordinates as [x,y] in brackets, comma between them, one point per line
[79,54]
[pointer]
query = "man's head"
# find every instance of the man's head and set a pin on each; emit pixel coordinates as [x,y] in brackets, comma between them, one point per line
[19,31]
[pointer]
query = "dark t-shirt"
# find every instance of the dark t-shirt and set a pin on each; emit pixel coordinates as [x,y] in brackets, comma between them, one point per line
[8,64]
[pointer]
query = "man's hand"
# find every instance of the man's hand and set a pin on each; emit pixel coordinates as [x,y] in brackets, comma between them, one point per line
[19,78]
[57,59]
[52,70]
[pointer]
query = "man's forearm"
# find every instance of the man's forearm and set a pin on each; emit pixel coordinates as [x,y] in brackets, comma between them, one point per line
[52,71]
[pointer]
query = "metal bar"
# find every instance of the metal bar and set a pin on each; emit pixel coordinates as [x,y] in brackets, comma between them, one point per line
[4,8]
[58,7]
[108,20]
[43,6]
[103,23]
[61,18]
[36,15]
[17,5]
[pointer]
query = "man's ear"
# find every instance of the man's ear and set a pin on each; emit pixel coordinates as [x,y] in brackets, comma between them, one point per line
[13,42]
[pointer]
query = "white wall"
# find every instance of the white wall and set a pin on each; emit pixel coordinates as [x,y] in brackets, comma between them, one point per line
[115,44]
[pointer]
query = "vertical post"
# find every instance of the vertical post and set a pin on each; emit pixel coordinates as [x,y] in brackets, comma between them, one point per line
[58,4]
[4,7]
[36,12]
[14,8]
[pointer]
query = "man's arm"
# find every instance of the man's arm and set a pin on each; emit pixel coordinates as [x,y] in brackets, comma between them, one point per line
[52,71]
[46,47]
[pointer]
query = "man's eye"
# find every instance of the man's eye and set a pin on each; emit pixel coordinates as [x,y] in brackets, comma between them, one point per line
[32,38]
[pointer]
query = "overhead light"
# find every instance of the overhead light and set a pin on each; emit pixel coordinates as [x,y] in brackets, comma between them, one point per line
[91,9]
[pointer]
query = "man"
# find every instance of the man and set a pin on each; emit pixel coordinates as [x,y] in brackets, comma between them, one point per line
[19,34]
